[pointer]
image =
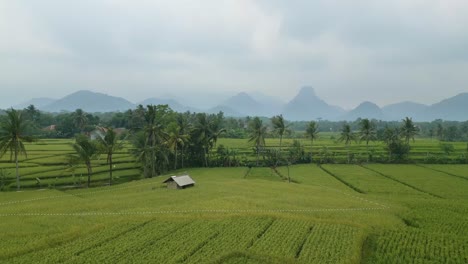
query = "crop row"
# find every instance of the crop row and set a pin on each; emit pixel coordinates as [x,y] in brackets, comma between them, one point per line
[415,246]
[329,243]
[43,251]
[427,180]
[369,181]
[284,238]
[237,236]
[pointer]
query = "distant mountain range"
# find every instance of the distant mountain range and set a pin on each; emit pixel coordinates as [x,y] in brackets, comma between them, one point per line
[306,105]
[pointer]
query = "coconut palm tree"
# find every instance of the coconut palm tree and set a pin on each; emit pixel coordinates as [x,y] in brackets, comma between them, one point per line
[312,133]
[12,138]
[203,134]
[184,128]
[142,152]
[257,133]
[109,144]
[85,151]
[175,139]
[155,136]
[408,130]
[80,119]
[280,128]
[367,133]
[347,136]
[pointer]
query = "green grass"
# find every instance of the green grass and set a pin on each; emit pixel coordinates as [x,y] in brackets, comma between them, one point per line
[234,217]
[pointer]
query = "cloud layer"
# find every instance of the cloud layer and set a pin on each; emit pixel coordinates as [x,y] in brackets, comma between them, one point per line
[350,51]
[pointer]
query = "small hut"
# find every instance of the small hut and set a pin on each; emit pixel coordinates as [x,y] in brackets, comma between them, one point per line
[179,182]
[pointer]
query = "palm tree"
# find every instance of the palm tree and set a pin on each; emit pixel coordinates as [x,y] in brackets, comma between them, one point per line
[109,145]
[155,136]
[312,133]
[175,139]
[391,136]
[367,133]
[280,127]
[80,119]
[142,152]
[347,136]
[203,134]
[12,138]
[408,130]
[86,150]
[257,133]
[184,128]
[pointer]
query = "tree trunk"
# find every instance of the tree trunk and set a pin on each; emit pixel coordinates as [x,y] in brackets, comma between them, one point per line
[347,149]
[110,169]
[182,157]
[311,151]
[258,154]
[204,155]
[88,165]
[367,149]
[278,154]
[175,160]
[17,168]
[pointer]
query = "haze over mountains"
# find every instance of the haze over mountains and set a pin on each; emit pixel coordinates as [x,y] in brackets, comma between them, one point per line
[306,105]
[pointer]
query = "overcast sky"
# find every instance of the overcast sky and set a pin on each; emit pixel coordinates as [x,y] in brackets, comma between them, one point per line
[349,51]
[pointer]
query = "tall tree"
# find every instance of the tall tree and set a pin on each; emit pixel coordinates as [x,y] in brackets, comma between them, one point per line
[109,144]
[175,139]
[12,138]
[312,132]
[347,135]
[257,133]
[408,130]
[280,128]
[391,137]
[80,119]
[367,132]
[32,113]
[86,150]
[184,129]
[155,137]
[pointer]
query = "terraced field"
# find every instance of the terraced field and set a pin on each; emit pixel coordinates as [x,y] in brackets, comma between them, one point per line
[47,165]
[329,214]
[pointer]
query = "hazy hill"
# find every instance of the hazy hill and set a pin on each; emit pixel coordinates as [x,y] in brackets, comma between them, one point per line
[365,110]
[39,103]
[401,110]
[90,102]
[308,106]
[454,108]
[271,105]
[245,104]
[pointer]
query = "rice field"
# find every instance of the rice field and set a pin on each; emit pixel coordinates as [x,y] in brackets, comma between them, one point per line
[332,213]
[328,214]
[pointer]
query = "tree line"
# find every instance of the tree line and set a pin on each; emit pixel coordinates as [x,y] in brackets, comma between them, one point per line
[162,139]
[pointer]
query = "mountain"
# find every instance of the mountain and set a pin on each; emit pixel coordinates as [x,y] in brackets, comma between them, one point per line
[365,110]
[454,108]
[89,102]
[172,103]
[271,105]
[243,104]
[398,111]
[308,106]
[39,103]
